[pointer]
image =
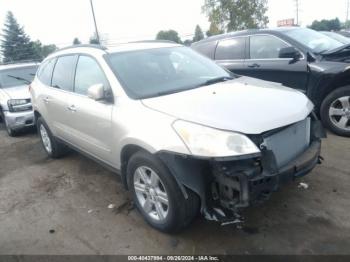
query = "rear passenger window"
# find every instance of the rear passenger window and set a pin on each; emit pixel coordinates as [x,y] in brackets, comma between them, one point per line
[230,49]
[88,73]
[45,72]
[265,47]
[63,73]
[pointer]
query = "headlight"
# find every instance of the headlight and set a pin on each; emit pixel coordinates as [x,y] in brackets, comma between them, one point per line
[17,105]
[209,142]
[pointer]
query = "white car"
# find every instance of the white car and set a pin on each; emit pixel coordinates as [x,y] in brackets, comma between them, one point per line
[185,135]
[15,104]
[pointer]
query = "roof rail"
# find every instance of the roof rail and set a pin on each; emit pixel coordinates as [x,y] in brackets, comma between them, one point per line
[101,47]
[153,41]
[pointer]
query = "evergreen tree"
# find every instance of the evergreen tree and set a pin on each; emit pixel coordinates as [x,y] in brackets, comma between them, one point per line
[16,45]
[76,41]
[198,34]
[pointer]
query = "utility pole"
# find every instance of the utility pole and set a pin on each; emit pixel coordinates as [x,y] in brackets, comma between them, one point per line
[93,15]
[297,11]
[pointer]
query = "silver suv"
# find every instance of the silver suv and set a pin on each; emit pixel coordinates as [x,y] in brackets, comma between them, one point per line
[15,105]
[185,135]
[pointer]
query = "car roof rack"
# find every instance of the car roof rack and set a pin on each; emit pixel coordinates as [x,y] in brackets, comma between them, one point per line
[101,47]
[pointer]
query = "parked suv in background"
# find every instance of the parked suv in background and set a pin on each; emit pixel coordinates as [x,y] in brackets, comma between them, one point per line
[184,134]
[296,57]
[15,104]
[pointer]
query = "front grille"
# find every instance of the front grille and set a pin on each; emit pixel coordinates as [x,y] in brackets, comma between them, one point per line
[288,143]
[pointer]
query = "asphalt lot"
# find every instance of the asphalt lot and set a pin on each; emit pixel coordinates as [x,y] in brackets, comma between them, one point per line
[61,207]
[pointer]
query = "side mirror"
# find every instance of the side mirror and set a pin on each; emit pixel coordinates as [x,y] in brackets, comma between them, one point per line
[289,52]
[96,92]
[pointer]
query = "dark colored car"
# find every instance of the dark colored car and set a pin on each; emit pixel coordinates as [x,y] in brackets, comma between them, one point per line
[296,57]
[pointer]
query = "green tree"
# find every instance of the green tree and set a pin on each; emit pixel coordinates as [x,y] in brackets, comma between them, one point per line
[326,25]
[233,15]
[76,41]
[16,45]
[42,51]
[198,34]
[170,35]
[214,30]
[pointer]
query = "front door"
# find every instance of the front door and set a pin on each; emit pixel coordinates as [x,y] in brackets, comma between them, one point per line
[264,62]
[91,121]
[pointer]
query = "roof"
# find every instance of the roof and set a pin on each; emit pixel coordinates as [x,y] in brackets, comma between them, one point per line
[245,32]
[18,65]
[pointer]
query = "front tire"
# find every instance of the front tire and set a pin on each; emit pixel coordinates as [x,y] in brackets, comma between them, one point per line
[157,195]
[9,130]
[335,111]
[52,147]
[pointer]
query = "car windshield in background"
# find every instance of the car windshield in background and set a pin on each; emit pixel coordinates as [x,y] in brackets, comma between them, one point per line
[338,37]
[17,76]
[161,71]
[316,41]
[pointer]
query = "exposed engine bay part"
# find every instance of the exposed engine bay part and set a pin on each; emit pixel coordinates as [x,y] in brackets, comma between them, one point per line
[227,185]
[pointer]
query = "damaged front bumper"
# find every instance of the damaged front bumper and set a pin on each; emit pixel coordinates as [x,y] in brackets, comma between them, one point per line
[227,185]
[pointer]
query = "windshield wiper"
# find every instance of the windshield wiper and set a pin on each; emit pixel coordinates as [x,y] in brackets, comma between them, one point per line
[216,80]
[20,78]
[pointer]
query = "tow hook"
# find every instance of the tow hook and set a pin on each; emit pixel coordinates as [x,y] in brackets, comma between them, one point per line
[320,159]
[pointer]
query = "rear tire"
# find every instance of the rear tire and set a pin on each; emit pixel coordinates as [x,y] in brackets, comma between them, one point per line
[52,147]
[178,213]
[335,111]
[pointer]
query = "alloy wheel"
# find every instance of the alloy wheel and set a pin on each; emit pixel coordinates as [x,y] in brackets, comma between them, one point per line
[45,139]
[339,112]
[151,193]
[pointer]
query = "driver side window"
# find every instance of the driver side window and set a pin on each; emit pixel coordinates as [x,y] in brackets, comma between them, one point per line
[265,47]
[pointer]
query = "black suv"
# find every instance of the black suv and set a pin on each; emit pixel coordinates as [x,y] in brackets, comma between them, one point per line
[296,57]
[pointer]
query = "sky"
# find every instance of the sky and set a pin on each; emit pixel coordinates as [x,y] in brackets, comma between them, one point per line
[60,21]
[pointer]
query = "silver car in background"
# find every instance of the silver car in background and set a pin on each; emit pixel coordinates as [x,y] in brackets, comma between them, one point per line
[15,103]
[185,135]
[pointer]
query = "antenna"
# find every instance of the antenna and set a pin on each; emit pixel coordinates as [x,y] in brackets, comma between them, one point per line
[93,15]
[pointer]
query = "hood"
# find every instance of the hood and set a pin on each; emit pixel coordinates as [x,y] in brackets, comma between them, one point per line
[337,50]
[245,105]
[17,92]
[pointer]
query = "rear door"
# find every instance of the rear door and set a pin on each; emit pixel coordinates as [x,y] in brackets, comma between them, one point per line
[90,121]
[230,53]
[57,95]
[263,62]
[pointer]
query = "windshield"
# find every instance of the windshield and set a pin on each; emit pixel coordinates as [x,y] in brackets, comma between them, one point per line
[17,76]
[160,71]
[338,37]
[316,41]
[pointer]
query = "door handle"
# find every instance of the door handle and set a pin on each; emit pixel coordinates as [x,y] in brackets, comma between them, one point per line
[72,108]
[255,65]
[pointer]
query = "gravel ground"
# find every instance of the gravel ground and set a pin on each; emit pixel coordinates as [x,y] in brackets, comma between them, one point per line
[61,207]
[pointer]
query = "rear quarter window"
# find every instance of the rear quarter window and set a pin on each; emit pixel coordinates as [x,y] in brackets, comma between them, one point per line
[231,49]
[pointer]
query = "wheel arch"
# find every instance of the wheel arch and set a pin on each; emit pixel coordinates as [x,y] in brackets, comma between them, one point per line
[338,81]
[130,149]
